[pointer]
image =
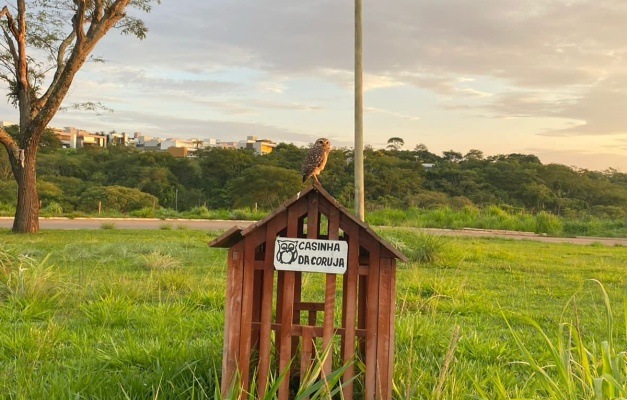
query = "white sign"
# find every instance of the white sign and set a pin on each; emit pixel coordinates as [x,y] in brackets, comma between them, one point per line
[310,255]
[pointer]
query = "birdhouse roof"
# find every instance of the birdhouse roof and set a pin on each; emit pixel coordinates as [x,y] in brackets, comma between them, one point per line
[237,233]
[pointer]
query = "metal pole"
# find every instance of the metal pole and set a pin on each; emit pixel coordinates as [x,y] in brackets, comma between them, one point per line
[359,125]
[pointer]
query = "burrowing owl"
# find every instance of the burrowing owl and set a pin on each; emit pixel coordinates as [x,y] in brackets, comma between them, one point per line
[315,160]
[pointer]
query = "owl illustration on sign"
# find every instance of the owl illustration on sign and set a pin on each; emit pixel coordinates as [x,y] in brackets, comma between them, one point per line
[315,160]
[287,252]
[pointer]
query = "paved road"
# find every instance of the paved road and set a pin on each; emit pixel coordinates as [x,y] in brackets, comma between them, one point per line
[148,223]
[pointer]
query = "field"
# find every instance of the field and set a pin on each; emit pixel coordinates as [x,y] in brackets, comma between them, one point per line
[130,314]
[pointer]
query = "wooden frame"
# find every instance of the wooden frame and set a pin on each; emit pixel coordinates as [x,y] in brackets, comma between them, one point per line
[366,303]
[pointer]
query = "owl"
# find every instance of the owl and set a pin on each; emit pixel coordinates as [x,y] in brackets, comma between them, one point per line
[315,160]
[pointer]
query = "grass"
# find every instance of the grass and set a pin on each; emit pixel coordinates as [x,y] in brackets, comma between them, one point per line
[112,313]
[494,217]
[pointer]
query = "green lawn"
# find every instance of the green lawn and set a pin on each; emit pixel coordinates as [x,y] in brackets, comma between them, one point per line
[113,314]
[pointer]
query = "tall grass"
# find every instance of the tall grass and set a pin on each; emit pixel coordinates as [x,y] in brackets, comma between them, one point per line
[86,319]
[495,217]
[578,367]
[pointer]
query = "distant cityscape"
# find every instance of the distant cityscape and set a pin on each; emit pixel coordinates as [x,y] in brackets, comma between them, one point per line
[74,138]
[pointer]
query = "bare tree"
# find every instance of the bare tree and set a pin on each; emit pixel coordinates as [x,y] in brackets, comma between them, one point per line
[49,36]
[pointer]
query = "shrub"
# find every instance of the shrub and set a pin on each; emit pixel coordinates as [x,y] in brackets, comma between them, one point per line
[145,212]
[548,223]
[115,197]
[156,260]
[53,209]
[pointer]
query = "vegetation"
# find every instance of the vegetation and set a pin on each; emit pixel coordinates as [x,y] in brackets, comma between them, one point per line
[502,192]
[42,37]
[139,314]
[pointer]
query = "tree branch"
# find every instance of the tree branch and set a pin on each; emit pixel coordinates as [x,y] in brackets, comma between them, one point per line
[12,48]
[98,10]
[9,143]
[78,20]
[59,68]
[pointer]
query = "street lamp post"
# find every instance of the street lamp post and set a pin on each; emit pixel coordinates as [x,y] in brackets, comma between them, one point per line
[359,126]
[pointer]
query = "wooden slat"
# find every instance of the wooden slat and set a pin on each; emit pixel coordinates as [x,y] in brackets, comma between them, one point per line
[313,217]
[232,322]
[383,383]
[349,306]
[298,286]
[285,339]
[297,330]
[247,306]
[256,314]
[266,309]
[327,325]
[372,325]
[287,309]
[309,306]
[392,315]
[306,353]
[361,308]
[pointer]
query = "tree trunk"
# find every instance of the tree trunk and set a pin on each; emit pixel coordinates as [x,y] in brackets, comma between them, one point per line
[27,211]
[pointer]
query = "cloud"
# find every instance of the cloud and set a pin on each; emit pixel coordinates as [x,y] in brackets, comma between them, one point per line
[392,113]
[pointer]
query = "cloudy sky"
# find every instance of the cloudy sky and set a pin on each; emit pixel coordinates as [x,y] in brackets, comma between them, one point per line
[544,77]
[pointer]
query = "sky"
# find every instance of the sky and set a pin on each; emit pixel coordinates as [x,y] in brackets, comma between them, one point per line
[543,77]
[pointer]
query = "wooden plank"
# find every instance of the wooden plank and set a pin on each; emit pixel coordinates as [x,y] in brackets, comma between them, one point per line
[372,325]
[384,379]
[306,353]
[285,339]
[297,330]
[277,315]
[349,306]
[266,310]
[256,314]
[313,217]
[333,227]
[247,307]
[327,325]
[298,285]
[392,315]
[232,323]
[309,306]
[361,308]
[287,308]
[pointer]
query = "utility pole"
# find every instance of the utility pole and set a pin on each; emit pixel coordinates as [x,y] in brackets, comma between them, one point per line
[359,124]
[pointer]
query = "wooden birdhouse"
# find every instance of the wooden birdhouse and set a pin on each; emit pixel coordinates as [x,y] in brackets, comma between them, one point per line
[271,325]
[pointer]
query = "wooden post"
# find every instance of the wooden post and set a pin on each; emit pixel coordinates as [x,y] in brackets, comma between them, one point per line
[232,313]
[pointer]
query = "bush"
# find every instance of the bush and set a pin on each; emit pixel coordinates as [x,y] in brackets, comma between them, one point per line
[145,212]
[115,197]
[53,209]
[548,223]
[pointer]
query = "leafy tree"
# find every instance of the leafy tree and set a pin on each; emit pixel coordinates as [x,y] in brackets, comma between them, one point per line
[218,168]
[474,154]
[64,32]
[395,143]
[265,186]
[452,156]
[118,198]
[49,139]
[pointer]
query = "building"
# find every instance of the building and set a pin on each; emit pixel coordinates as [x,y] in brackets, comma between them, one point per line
[74,138]
[261,146]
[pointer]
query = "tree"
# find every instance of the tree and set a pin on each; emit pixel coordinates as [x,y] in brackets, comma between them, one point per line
[265,186]
[395,143]
[63,33]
